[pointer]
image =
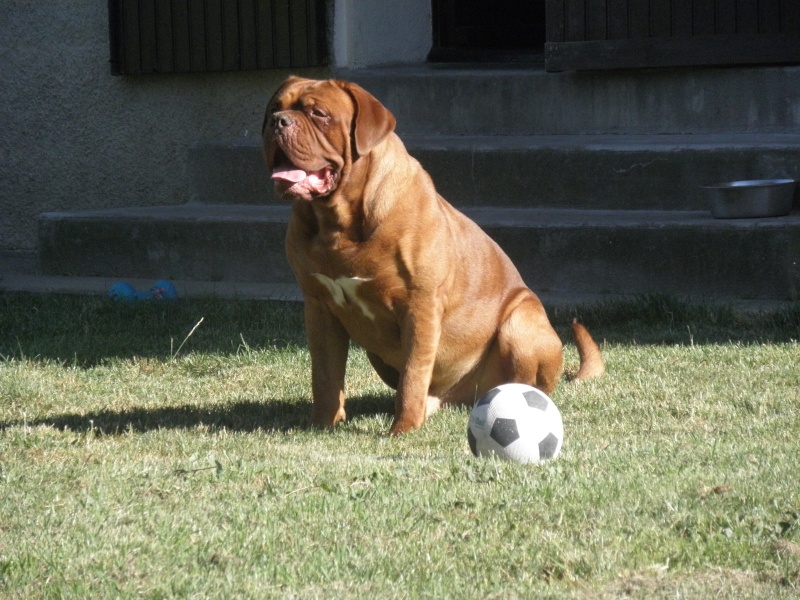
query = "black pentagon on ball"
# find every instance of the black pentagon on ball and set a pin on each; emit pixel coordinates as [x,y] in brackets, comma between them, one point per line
[504,431]
[488,396]
[535,400]
[473,443]
[547,447]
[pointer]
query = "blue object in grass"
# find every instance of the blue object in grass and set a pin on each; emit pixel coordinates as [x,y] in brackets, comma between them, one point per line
[163,290]
[160,290]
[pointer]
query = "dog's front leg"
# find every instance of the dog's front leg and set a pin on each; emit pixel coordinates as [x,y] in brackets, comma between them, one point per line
[328,343]
[420,341]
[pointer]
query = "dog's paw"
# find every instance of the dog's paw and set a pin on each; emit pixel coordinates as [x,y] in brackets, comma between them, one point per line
[326,421]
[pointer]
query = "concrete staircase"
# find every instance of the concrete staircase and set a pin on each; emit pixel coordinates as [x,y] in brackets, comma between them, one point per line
[589,181]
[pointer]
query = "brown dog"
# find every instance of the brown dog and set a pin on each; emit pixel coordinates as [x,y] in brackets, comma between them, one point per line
[383,260]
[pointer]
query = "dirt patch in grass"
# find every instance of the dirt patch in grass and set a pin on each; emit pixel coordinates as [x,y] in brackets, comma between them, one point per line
[717,583]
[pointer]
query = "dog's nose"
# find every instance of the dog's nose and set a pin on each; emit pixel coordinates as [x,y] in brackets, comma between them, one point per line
[281,120]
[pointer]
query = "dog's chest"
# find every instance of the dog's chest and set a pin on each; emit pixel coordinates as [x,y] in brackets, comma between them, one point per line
[358,282]
[349,294]
[362,304]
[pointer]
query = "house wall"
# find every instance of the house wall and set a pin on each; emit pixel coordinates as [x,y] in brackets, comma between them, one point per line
[73,137]
[377,32]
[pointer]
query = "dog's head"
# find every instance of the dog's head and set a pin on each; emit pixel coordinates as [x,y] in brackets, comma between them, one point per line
[314,131]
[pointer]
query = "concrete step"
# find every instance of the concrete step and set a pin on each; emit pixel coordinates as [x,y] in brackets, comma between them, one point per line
[458,100]
[685,253]
[474,100]
[634,172]
[23,276]
[189,241]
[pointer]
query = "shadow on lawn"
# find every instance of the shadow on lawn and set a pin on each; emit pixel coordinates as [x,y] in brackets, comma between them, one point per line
[85,332]
[247,417]
[666,320]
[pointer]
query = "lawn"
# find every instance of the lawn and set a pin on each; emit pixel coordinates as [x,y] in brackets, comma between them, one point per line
[159,450]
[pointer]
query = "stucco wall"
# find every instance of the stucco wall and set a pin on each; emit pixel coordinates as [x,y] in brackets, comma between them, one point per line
[377,32]
[72,136]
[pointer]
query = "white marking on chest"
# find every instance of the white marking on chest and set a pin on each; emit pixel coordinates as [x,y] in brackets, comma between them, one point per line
[344,291]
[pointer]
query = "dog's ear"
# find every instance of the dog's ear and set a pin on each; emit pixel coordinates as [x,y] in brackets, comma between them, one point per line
[372,121]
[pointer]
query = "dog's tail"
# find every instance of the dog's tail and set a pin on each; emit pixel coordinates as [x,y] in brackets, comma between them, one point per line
[591,361]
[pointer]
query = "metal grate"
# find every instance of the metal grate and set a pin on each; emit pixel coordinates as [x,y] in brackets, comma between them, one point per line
[185,36]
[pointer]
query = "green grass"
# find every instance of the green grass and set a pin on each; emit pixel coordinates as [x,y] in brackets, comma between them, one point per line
[128,468]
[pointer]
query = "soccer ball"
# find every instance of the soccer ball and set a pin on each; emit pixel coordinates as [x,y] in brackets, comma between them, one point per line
[515,422]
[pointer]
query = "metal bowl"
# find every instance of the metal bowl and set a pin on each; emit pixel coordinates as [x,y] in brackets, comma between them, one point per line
[751,199]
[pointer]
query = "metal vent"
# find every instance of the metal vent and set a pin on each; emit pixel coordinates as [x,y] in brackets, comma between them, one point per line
[189,36]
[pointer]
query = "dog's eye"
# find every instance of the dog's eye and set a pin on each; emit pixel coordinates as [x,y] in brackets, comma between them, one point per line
[318,112]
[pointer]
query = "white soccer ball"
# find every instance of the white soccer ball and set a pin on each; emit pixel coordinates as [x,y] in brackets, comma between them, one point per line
[516,422]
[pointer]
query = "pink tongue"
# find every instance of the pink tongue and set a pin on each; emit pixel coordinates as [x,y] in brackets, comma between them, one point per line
[288,174]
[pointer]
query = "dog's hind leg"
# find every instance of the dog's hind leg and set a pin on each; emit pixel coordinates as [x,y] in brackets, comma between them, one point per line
[529,349]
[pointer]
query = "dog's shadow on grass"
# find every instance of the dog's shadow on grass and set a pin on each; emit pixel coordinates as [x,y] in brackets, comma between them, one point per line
[247,416]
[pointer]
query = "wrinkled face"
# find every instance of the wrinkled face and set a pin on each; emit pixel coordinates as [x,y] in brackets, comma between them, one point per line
[306,137]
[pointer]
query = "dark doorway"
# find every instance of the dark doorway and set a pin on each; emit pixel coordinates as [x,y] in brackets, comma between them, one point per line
[493,31]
